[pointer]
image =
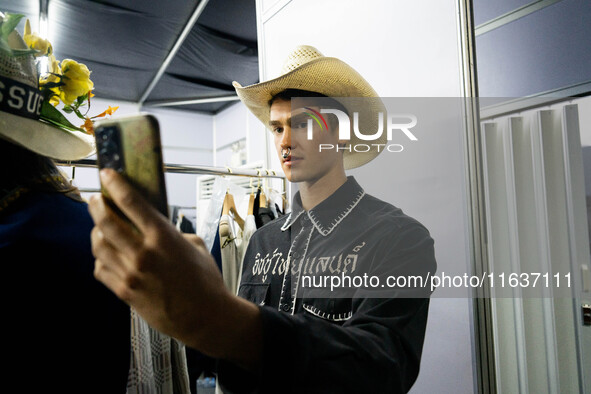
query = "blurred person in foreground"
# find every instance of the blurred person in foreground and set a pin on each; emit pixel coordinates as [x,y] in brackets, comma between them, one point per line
[63,330]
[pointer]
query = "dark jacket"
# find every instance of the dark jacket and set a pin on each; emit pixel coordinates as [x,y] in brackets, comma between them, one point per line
[64,331]
[366,337]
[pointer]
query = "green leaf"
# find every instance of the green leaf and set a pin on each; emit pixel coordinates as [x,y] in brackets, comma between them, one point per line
[49,85]
[68,110]
[77,112]
[47,94]
[4,47]
[62,127]
[10,22]
[80,100]
[52,115]
[24,52]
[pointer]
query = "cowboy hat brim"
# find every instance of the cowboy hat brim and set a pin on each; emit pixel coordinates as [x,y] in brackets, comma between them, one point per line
[333,78]
[45,139]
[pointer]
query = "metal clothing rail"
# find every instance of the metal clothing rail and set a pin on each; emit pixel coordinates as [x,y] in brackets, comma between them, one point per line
[188,169]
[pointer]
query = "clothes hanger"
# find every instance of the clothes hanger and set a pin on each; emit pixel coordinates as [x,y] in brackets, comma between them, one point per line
[284,202]
[229,206]
[263,198]
[252,197]
[251,204]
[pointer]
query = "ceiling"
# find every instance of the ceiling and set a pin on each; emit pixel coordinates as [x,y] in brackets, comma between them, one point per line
[181,54]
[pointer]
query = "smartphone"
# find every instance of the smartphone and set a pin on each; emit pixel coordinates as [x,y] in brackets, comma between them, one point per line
[131,146]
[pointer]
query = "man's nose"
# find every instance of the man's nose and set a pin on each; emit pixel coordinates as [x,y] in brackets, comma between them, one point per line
[286,138]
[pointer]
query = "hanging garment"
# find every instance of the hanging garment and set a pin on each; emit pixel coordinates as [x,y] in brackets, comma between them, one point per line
[186,226]
[158,362]
[262,215]
[277,212]
[232,251]
[197,363]
[177,220]
[250,227]
[216,250]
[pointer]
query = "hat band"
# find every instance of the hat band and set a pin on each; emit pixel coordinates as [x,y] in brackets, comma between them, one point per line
[20,99]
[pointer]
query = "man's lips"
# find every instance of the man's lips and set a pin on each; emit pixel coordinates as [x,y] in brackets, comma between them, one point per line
[290,159]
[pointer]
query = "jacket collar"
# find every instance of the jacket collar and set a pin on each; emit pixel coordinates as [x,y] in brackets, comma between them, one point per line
[330,212]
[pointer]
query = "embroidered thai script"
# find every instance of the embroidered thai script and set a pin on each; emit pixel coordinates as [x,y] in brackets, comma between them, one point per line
[275,263]
[262,265]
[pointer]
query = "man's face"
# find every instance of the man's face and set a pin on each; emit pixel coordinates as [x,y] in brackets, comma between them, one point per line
[306,163]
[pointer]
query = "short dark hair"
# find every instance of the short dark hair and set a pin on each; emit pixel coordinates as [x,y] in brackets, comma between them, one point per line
[288,94]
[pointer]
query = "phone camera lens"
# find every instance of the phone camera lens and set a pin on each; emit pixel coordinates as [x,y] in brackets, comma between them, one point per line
[108,145]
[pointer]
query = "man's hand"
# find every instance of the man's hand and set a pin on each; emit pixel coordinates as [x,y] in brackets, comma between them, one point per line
[172,281]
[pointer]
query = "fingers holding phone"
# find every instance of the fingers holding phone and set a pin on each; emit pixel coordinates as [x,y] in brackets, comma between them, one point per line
[141,257]
[125,204]
[134,201]
[170,279]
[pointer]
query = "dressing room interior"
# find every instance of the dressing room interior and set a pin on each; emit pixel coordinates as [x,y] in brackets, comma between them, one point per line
[499,172]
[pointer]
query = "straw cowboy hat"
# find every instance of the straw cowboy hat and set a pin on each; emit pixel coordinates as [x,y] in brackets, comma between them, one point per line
[307,69]
[20,106]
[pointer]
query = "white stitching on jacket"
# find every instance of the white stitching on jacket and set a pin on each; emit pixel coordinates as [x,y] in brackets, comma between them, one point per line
[288,268]
[295,295]
[339,219]
[289,222]
[328,316]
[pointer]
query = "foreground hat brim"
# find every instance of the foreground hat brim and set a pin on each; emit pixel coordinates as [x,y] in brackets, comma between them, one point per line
[330,77]
[45,139]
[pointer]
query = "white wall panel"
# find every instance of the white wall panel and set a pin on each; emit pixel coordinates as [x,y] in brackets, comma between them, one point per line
[230,125]
[536,224]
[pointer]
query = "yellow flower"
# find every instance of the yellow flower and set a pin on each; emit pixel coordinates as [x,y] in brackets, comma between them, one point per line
[54,100]
[76,79]
[33,41]
[54,65]
[52,77]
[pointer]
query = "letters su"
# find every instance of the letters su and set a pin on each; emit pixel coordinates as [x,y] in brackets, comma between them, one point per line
[16,99]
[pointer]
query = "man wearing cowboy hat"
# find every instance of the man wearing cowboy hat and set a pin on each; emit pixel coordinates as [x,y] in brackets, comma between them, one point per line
[282,334]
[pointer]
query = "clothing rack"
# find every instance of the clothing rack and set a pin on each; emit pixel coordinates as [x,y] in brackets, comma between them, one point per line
[188,169]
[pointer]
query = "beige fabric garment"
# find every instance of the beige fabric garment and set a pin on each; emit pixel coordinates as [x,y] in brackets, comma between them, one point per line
[250,227]
[232,251]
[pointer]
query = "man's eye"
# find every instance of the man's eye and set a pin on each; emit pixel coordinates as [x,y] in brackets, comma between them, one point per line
[278,130]
[300,125]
